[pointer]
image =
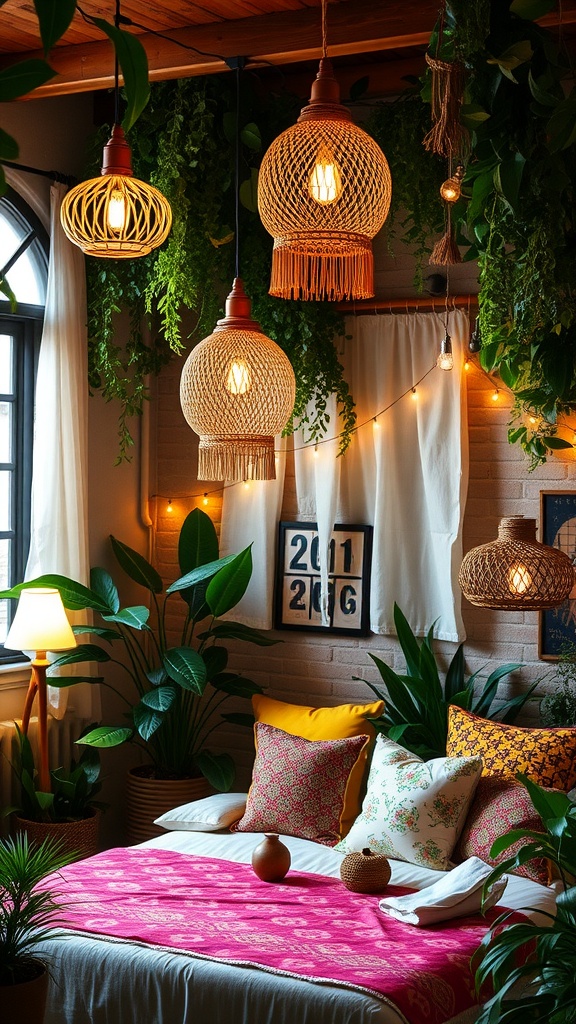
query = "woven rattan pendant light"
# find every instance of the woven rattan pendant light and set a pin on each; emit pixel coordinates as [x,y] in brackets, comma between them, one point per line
[237,387]
[324,191]
[116,215]
[516,571]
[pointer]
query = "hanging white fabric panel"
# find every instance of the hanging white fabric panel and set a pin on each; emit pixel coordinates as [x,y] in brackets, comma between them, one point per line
[59,516]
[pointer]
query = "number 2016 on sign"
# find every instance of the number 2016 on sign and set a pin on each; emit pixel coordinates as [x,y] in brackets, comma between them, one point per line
[299,590]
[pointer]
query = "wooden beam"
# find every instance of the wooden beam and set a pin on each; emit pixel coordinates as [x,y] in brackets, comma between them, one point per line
[367,307]
[355,26]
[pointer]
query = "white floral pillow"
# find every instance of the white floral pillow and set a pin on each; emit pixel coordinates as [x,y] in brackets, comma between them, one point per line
[413,810]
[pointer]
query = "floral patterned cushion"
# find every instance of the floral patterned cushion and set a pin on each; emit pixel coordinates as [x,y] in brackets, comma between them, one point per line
[298,785]
[547,756]
[413,809]
[500,805]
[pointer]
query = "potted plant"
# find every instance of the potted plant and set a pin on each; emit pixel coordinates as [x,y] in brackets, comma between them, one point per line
[27,917]
[69,811]
[538,957]
[416,704]
[175,694]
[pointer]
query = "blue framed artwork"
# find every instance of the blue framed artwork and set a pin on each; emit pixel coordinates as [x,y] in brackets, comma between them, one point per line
[298,579]
[557,626]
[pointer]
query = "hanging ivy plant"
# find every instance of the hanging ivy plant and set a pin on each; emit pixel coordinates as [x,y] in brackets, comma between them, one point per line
[184,144]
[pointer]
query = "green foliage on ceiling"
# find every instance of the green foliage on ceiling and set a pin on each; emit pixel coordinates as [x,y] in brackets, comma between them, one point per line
[184,144]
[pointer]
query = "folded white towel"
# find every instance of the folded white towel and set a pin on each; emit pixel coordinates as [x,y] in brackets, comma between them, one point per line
[457,893]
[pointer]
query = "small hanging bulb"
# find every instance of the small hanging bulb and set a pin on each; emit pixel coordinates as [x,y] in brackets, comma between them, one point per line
[246,485]
[532,421]
[495,395]
[467,366]
[445,359]
[475,343]
[238,379]
[375,424]
[519,579]
[315,451]
[451,189]
[325,183]
[116,212]
[205,498]
[414,395]
[169,508]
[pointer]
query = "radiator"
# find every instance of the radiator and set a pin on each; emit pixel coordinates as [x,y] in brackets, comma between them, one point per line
[61,747]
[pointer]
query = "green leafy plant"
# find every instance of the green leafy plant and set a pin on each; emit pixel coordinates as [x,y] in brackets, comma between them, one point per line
[28,915]
[559,706]
[538,956]
[74,788]
[416,703]
[176,691]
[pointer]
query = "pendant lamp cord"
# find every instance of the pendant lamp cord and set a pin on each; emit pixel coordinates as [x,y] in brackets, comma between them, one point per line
[237,177]
[116,70]
[324,32]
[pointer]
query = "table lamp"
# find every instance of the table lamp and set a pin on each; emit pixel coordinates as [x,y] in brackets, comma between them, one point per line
[40,625]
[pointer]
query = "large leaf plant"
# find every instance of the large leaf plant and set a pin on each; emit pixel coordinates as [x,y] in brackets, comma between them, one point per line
[529,965]
[175,693]
[416,702]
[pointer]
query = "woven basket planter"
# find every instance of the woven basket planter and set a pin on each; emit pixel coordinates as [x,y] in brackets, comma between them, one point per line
[78,837]
[148,798]
[25,1001]
[365,872]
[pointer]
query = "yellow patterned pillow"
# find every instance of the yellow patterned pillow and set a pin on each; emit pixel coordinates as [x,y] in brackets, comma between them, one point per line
[336,723]
[547,756]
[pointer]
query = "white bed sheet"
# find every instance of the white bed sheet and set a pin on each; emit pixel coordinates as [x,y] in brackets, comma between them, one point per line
[112,982]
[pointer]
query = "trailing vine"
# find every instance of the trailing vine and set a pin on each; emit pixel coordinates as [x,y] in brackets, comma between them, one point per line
[184,143]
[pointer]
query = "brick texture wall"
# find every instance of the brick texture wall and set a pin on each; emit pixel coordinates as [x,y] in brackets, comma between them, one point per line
[317,670]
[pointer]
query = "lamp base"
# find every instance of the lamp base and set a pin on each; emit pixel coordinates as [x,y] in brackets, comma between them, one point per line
[237,458]
[326,265]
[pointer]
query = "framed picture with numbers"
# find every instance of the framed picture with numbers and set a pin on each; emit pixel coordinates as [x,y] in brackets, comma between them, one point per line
[298,579]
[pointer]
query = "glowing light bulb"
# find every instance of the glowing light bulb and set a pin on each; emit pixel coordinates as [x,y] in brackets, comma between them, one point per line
[205,499]
[466,366]
[325,183]
[414,395]
[532,421]
[169,506]
[116,212]
[375,424]
[451,190]
[445,359]
[239,379]
[315,451]
[495,395]
[246,485]
[519,579]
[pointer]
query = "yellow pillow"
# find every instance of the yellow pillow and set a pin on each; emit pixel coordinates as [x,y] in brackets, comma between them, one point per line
[337,723]
[547,756]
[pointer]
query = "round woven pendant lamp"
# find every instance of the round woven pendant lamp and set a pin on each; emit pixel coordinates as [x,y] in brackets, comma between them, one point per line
[516,571]
[324,190]
[116,215]
[237,392]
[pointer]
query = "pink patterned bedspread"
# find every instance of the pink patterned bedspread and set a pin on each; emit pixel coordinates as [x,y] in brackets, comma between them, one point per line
[308,926]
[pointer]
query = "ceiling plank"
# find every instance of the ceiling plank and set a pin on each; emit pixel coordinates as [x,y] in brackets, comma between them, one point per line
[355,26]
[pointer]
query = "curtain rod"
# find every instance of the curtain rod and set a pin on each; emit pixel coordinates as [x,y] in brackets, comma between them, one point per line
[63,179]
[436,304]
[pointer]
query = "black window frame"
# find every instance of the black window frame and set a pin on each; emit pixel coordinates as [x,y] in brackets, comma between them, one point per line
[25,325]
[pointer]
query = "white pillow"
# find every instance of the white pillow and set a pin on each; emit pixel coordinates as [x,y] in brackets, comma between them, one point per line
[413,810]
[207,815]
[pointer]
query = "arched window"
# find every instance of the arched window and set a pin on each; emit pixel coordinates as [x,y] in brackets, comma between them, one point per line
[24,265]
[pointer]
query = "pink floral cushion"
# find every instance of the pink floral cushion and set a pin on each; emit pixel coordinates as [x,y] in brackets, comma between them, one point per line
[500,805]
[298,786]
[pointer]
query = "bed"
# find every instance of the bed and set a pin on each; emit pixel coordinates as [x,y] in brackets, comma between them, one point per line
[102,980]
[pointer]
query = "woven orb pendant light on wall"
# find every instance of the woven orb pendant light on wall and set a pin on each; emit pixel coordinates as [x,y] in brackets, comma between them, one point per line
[324,190]
[516,571]
[237,392]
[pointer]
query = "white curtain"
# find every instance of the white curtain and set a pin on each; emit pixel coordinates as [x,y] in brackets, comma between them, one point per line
[405,473]
[59,526]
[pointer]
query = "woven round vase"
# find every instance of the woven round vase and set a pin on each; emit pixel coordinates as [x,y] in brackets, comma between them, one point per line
[77,837]
[271,859]
[365,872]
[516,571]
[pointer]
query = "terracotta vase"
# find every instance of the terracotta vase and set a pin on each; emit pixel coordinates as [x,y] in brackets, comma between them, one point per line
[271,859]
[78,837]
[147,798]
[25,1001]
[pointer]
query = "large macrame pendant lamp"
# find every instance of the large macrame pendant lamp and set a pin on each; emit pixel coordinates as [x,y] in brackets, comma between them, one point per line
[516,571]
[116,215]
[324,190]
[237,387]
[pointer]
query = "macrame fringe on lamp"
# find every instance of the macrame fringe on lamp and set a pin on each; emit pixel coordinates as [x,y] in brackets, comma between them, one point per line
[237,392]
[324,191]
[447,135]
[446,252]
[516,571]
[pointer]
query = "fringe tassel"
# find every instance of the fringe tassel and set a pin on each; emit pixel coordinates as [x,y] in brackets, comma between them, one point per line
[333,276]
[446,136]
[236,458]
[445,252]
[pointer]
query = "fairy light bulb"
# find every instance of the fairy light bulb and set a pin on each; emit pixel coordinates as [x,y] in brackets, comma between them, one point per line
[246,485]
[466,366]
[116,212]
[414,395]
[239,378]
[495,395]
[451,189]
[532,421]
[169,508]
[325,182]
[519,579]
[375,424]
[205,499]
[445,359]
[315,453]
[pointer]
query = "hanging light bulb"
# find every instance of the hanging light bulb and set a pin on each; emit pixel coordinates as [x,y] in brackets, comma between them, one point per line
[238,379]
[445,359]
[451,189]
[475,343]
[324,190]
[116,216]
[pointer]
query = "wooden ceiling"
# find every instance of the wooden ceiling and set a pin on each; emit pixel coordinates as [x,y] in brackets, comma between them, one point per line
[391,36]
